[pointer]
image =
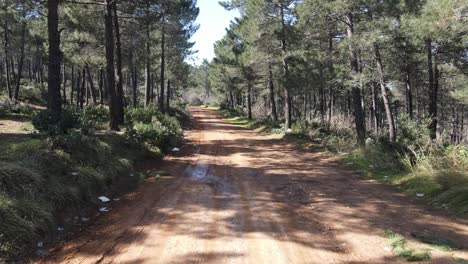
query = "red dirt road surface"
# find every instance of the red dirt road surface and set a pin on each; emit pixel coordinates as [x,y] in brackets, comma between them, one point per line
[234,196]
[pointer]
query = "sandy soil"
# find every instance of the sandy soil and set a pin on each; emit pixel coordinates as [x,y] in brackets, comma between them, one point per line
[235,196]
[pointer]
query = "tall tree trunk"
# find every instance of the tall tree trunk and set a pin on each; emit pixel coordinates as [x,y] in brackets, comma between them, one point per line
[21,56]
[385,97]
[91,83]
[287,92]
[433,101]
[83,92]
[331,72]
[119,88]
[55,58]
[78,89]
[148,55]
[101,85]
[163,65]
[64,78]
[168,94]
[72,84]
[408,90]
[271,87]
[6,50]
[249,99]
[356,92]
[109,32]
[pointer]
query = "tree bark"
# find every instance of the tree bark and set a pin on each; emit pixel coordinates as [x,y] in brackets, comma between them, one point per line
[148,55]
[287,92]
[6,50]
[385,97]
[249,100]
[21,58]
[168,94]
[163,62]
[119,88]
[432,88]
[271,86]
[64,78]
[109,32]
[356,92]
[91,84]
[408,86]
[101,84]
[83,92]
[55,57]
[72,84]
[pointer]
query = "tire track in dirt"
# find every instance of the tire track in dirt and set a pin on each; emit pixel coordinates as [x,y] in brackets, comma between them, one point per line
[235,196]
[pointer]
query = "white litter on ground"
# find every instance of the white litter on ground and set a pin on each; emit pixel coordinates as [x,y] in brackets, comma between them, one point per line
[175,150]
[116,199]
[104,209]
[104,199]
[60,229]
[420,195]
[40,244]
[84,219]
[74,173]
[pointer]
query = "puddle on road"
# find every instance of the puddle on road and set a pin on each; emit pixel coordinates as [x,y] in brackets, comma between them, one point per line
[200,171]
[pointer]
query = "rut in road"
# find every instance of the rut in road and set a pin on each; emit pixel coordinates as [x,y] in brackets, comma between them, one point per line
[235,196]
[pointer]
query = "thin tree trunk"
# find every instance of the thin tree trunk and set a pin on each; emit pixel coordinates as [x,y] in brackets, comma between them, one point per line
[91,84]
[249,99]
[55,57]
[72,83]
[101,84]
[83,92]
[271,86]
[148,65]
[433,101]
[64,77]
[385,97]
[21,58]
[119,88]
[409,92]
[356,92]
[287,93]
[109,32]
[6,50]
[168,94]
[163,62]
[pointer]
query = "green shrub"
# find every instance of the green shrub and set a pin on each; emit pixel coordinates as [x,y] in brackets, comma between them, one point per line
[153,129]
[141,115]
[52,123]
[413,136]
[163,134]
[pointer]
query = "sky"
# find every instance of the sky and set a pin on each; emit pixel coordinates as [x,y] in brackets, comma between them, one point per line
[213,20]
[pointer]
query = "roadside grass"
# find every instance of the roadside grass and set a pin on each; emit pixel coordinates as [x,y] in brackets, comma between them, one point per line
[39,179]
[439,176]
[398,245]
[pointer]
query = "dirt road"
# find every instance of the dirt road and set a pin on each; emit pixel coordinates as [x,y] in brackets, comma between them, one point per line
[235,196]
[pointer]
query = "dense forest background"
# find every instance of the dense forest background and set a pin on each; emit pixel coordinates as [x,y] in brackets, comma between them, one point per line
[367,65]
[79,53]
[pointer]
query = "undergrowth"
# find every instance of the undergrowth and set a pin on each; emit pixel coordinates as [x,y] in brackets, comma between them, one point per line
[40,178]
[67,165]
[415,164]
[398,245]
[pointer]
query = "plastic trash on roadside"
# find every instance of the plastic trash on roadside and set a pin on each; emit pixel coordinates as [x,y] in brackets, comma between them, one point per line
[104,209]
[175,150]
[420,195]
[104,199]
[60,229]
[40,244]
